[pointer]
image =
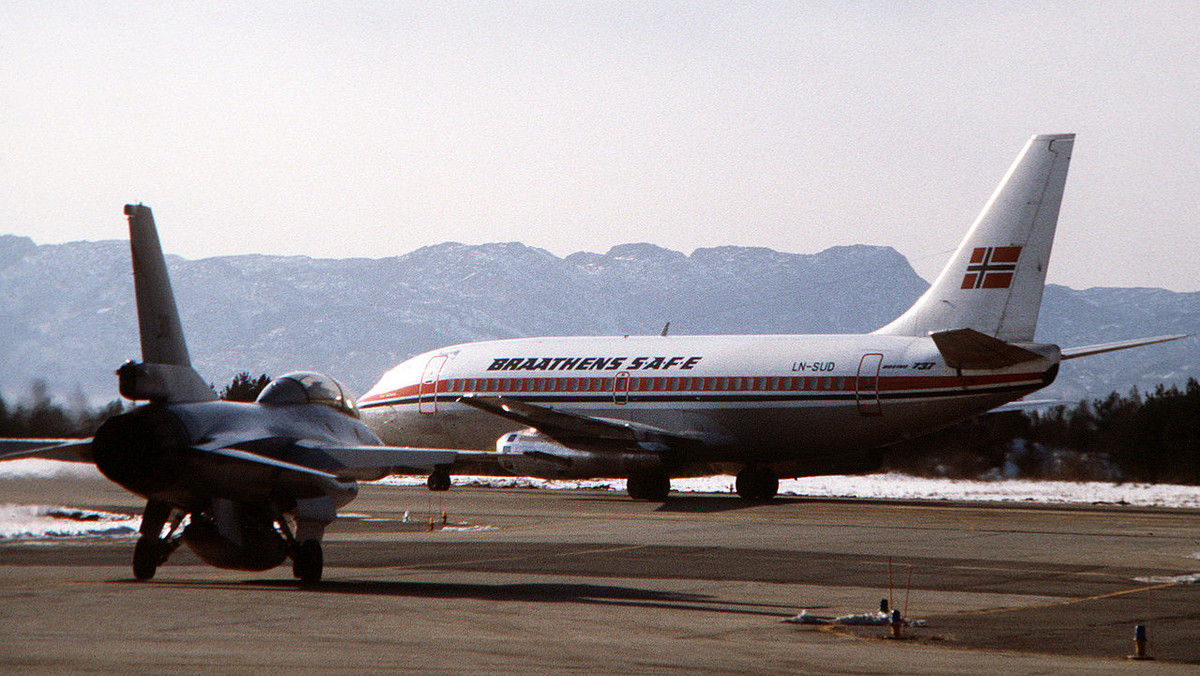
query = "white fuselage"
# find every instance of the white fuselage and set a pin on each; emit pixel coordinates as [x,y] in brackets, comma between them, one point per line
[802,404]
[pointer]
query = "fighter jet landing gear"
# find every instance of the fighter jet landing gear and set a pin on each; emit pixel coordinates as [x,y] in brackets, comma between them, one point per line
[308,559]
[307,562]
[757,484]
[652,486]
[152,550]
[148,554]
[439,480]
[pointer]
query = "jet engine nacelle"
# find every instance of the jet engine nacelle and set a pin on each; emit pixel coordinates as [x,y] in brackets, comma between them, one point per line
[236,537]
[141,450]
[531,453]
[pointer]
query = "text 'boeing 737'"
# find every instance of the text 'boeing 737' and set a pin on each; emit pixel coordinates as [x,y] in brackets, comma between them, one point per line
[244,485]
[761,407]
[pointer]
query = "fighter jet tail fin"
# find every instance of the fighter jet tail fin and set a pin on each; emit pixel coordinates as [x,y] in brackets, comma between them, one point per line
[166,374]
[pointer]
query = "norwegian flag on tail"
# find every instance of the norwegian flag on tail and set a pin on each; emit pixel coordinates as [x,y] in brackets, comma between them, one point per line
[991,267]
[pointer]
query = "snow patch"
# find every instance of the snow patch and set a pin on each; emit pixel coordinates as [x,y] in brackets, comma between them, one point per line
[38,468]
[1193,578]
[888,487]
[875,619]
[40,522]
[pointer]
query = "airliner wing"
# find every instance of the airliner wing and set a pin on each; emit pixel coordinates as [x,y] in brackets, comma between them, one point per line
[553,423]
[1088,350]
[575,430]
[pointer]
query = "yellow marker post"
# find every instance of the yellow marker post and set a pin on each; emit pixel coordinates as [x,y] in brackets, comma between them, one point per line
[1139,644]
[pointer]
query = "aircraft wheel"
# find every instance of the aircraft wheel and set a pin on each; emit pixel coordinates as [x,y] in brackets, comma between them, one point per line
[652,486]
[146,557]
[757,484]
[307,562]
[438,481]
[768,484]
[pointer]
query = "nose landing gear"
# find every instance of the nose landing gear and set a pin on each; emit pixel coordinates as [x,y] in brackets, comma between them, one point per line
[652,486]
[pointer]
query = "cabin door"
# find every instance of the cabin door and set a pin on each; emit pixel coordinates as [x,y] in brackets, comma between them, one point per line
[866,391]
[427,388]
[621,388]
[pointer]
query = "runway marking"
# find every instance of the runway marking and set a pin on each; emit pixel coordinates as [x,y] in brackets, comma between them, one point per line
[1068,602]
[496,559]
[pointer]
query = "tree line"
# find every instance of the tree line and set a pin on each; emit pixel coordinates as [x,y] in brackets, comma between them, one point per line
[41,418]
[1152,437]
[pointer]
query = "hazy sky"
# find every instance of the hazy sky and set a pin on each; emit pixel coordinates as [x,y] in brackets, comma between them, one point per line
[371,129]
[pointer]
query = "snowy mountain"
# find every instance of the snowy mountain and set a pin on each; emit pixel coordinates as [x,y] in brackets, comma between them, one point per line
[67,311]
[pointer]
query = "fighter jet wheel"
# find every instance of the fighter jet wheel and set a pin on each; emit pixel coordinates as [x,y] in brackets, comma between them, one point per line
[307,562]
[438,481]
[146,557]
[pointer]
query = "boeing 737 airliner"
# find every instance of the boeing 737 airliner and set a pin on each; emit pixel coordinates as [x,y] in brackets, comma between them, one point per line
[760,407]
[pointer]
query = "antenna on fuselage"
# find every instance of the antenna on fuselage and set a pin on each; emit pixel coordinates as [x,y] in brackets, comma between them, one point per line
[665,329]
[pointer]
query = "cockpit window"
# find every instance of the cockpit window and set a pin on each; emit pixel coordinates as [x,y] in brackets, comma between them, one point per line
[308,388]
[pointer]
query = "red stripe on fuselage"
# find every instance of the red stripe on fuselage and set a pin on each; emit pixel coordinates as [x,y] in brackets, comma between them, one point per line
[695,384]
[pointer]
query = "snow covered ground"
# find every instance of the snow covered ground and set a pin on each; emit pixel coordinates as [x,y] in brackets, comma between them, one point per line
[45,522]
[34,522]
[893,487]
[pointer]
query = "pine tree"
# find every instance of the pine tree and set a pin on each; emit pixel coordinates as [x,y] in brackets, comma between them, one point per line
[244,387]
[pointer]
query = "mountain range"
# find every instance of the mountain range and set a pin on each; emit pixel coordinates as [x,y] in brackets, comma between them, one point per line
[67,312]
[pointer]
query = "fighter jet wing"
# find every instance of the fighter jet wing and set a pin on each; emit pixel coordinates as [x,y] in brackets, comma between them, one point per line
[375,462]
[76,450]
[357,463]
[300,480]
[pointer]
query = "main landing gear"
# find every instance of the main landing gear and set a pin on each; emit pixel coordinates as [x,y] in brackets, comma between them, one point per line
[308,559]
[652,486]
[757,484]
[439,480]
[307,562]
[152,550]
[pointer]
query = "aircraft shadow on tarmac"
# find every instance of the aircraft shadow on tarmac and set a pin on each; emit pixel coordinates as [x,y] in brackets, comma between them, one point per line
[702,504]
[527,592]
[707,504]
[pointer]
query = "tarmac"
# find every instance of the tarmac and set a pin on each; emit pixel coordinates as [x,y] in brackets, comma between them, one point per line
[521,580]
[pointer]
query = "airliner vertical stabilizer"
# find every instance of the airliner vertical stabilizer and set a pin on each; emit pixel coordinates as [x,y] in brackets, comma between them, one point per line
[993,283]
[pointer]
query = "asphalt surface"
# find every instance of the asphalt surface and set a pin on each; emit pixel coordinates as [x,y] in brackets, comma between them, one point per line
[570,581]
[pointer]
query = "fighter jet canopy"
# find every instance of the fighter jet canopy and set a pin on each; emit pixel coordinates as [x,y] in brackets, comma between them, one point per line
[303,387]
